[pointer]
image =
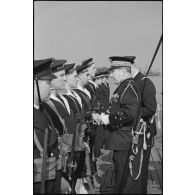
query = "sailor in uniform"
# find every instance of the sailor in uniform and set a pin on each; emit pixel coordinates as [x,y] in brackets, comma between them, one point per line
[90,86]
[100,99]
[105,98]
[106,90]
[88,112]
[42,81]
[76,104]
[65,112]
[148,110]
[120,119]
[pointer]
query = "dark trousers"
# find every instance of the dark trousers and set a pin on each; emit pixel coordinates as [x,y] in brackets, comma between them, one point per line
[99,140]
[102,137]
[51,186]
[144,173]
[124,183]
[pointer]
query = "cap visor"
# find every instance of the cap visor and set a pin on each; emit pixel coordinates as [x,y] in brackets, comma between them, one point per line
[48,77]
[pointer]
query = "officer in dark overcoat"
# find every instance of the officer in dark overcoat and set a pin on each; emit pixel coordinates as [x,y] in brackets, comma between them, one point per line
[120,119]
[148,109]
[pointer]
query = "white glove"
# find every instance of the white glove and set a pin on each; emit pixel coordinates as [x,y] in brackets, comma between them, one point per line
[96,118]
[105,118]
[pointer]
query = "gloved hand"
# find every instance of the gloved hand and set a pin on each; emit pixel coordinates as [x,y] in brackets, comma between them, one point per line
[96,118]
[104,118]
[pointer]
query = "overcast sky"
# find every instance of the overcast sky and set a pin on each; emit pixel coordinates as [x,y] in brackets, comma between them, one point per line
[80,30]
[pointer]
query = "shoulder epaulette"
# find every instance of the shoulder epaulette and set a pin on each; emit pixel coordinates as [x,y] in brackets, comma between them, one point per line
[144,78]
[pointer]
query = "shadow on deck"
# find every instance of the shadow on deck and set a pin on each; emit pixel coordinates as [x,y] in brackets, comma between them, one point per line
[106,171]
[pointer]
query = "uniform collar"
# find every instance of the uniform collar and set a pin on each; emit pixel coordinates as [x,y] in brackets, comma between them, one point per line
[84,90]
[35,106]
[136,73]
[55,98]
[75,95]
[93,83]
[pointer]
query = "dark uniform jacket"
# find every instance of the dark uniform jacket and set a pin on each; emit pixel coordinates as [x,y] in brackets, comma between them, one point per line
[148,102]
[87,109]
[40,124]
[97,99]
[105,97]
[91,88]
[69,119]
[93,92]
[55,119]
[122,113]
[74,104]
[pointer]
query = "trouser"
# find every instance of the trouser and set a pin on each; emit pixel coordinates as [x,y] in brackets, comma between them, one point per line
[144,173]
[91,135]
[99,140]
[124,183]
[102,137]
[51,186]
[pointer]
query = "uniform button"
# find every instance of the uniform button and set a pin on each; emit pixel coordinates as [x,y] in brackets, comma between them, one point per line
[51,154]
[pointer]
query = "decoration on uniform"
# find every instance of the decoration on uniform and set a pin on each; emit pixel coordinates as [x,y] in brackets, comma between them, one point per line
[114,98]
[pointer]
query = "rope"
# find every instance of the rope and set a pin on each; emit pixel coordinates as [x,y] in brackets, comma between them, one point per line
[142,131]
[140,167]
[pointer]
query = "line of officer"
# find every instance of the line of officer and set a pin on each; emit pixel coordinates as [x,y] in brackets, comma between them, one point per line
[70,121]
[148,109]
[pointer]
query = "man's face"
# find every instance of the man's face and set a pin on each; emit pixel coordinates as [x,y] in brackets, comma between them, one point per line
[92,70]
[59,83]
[104,80]
[44,89]
[72,79]
[84,77]
[117,74]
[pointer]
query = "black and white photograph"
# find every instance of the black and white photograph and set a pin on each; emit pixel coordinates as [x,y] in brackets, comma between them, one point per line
[98,97]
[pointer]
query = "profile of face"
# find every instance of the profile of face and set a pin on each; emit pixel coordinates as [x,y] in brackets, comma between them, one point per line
[84,78]
[92,70]
[117,74]
[44,89]
[59,83]
[71,79]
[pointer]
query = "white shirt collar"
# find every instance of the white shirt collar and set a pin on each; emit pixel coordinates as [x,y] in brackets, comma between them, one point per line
[93,83]
[36,106]
[84,90]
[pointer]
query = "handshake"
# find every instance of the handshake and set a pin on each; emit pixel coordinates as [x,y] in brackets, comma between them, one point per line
[100,119]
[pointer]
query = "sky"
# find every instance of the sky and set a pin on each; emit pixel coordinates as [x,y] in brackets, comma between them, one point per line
[79,30]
